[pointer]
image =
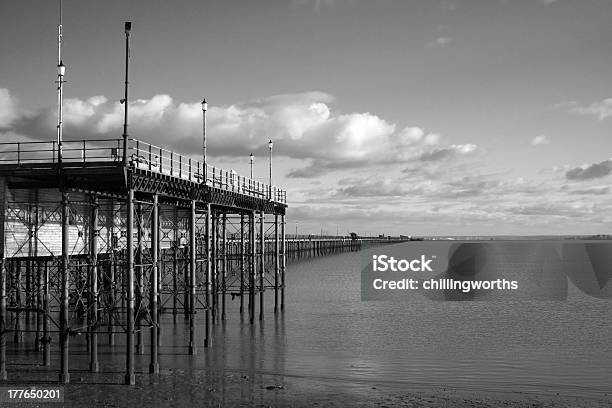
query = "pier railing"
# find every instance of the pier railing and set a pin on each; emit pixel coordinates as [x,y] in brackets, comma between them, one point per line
[140,155]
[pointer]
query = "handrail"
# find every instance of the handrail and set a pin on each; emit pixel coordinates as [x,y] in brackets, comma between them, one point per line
[141,155]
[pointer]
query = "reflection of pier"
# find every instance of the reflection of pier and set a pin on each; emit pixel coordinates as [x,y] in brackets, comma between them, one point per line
[97,247]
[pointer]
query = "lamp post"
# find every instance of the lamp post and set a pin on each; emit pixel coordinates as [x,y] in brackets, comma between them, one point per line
[270,144]
[128,29]
[204,109]
[61,71]
[251,158]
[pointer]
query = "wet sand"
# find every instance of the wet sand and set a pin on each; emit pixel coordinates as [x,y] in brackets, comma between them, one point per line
[179,388]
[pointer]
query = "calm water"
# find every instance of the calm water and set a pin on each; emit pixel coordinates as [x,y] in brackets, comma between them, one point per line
[327,332]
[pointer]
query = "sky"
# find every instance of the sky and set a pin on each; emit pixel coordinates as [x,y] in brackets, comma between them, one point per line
[415,117]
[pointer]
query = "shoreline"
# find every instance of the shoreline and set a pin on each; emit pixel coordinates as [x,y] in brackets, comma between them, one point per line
[180,387]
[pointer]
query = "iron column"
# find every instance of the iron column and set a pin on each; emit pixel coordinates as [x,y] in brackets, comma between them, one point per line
[130,379]
[154,285]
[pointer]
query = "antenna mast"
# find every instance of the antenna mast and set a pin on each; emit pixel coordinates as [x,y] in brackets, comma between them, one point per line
[61,70]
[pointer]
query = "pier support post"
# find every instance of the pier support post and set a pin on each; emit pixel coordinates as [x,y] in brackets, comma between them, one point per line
[262,263]
[130,378]
[3,374]
[252,264]
[17,333]
[241,264]
[192,279]
[154,285]
[46,312]
[283,261]
[276,259]
[64,376]
[207,341]
[93,286]
[224,261]
[3,278]
[213,264]
[37,264]
[139,269]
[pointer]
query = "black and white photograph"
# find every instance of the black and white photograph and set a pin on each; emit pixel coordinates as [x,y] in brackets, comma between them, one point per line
[306,203]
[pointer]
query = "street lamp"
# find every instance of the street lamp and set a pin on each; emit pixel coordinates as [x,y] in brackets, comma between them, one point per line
[270,144]
[128,29]
[204,109]
[251,158]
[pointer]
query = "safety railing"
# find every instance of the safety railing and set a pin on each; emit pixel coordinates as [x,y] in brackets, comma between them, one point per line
[140,155]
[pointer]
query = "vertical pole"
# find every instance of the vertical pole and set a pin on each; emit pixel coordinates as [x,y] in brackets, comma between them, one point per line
[93,286]
[39,282]
[262,260]
[252,267]
[112,284]
[204,166]
[192,279]
[28,291]
[283,261]
[17,334]
[3,277]
[276,259]
[39,315]
[213,262]
[224,260]
[130,379]
[241,264]
[140,281]
[3,374]
[46,312]
[174,277]
[207,341]
[64,374]
[154,285]
[128,28]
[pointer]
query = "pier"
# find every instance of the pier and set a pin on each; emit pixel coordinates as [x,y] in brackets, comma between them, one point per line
[105,241]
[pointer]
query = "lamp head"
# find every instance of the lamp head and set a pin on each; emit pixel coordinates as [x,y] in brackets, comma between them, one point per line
[61,68]
[204,105]
[251,157]
[128,27]
[270,144]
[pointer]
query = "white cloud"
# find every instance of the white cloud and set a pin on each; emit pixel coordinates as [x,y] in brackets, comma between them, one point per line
[602,109]
[303,126]
[440,42]
[7,108]
[540,140]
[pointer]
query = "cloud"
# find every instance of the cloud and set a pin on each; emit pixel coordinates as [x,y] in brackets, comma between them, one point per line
[7,108]
[440,42]
[375,188]
[304,126]
[448,152]
[594,190]
[590,171]
[602,109]
[540,140]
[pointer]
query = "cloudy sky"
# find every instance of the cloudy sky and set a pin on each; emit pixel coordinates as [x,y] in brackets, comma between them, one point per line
[389,116]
